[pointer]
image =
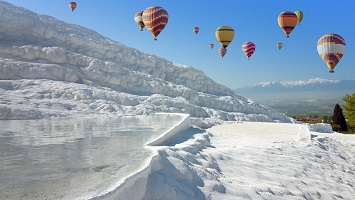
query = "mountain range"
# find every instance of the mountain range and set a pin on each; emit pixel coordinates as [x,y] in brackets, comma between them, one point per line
[50,68]
[315,88]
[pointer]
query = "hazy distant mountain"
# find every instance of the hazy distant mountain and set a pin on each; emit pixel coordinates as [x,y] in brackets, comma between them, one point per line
[52,68]
[315,88]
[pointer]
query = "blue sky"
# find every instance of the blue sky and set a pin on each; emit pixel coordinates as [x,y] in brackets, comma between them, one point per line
[252,20]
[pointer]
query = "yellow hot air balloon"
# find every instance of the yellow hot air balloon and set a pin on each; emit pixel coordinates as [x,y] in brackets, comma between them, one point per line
[279,45]
[225,35]
[331,48]
[299,15]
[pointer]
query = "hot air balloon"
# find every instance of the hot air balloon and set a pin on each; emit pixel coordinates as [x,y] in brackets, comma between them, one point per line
[155,19]
[139,20]
[196,30]
[72,6]
[279,45]
[287,21]
[222,51]
[225,35]
[211,46]
[299,15]
[331,48]
[248,49]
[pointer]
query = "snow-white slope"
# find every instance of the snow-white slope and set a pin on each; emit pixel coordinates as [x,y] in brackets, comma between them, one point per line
[52,68]
[249,160]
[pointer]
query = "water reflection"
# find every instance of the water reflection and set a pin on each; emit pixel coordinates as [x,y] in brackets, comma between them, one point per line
[68,157]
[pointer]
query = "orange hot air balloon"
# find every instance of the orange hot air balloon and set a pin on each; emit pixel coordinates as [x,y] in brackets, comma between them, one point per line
[287,21]
[222,51]
[72,6]
[196,30]
[248,49]
[155,19]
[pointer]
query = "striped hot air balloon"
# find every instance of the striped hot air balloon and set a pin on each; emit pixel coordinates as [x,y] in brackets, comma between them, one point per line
[248,49]
[155,19]
[299,15]
[331,48]
[287,21]
[222,51]
[225,35]
[139,20]
[72,6]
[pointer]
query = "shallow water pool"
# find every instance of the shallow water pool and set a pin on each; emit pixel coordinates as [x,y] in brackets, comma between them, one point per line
[69,158]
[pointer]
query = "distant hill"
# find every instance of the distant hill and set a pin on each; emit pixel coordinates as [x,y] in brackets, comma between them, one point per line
[300,98]
[315,88]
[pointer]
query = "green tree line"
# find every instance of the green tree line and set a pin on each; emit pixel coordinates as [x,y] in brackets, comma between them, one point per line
[349,108]
[339,122]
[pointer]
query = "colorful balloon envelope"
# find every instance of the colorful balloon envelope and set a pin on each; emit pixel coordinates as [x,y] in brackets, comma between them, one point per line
[72,6]
[222,51]
[155,19]
[211,46]
[287,21]
[139,20]
[299,15]
[279,45]
[225,35]
[248,49]
[196,30]
[331,48]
